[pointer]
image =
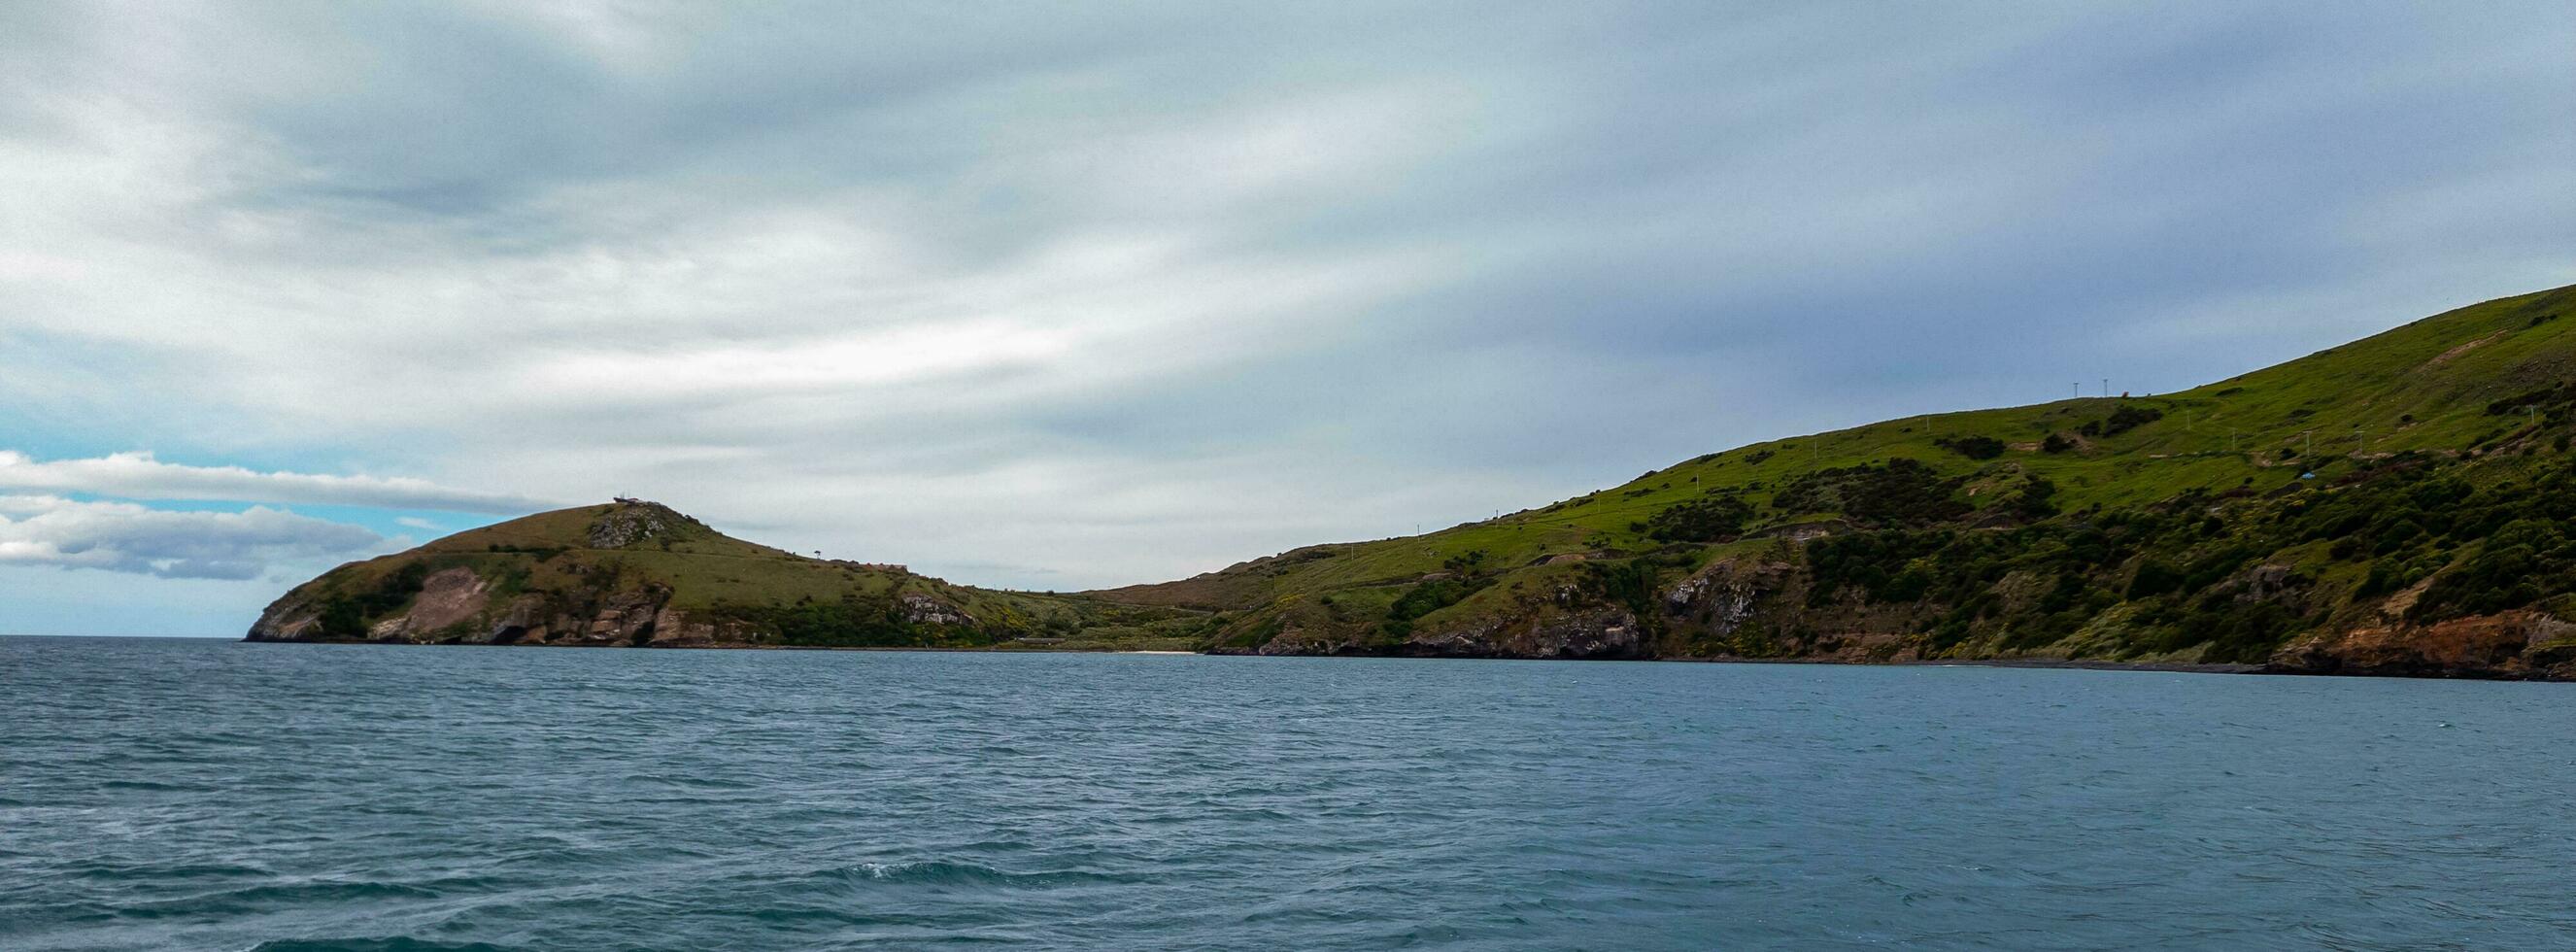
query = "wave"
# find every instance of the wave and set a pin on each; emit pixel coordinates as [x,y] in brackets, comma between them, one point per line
[252,899]
[390,944]
[942,872]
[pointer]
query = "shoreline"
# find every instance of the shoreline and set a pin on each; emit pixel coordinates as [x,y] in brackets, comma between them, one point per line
[2059,664]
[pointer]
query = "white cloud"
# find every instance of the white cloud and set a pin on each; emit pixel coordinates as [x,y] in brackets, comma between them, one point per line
[138,475]
[125,537]
[1116,294]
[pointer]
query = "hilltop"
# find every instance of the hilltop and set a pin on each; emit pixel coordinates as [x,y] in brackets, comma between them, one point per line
[636,573]
[2397,505]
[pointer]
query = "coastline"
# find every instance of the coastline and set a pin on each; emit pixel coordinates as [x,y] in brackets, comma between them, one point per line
[2066,664]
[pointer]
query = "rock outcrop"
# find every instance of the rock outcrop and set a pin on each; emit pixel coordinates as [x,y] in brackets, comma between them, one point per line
[634,522]
[2515,644]
[455,606]
[1590,633]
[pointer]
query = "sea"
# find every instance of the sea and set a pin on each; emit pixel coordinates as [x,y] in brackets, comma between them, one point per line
[201,794]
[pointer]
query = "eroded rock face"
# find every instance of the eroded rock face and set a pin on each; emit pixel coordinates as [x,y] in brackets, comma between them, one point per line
[678,629]
[291,618]
[922,609]
[2515,644]
[1722,597]
[454,606]
[1546,632]
[1298,641]
[522,621]
[624,618]
[1598,633]
[450,597]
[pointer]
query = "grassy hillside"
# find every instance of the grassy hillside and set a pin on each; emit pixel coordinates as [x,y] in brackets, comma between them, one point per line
[2474,398]
[2401,504]
[640,573]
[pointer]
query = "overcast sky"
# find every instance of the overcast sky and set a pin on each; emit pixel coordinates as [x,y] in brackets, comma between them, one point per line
[1070,295]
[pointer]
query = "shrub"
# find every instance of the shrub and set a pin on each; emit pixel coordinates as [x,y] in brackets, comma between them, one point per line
[2032,503]
[1468,563]
[2154,578]
[1425,598]
[1898,492]
[853,621]
[346,615]
[1972,447]
[1706,519]
[2126,418]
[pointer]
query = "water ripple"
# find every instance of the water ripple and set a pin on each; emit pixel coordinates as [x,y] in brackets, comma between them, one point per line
[197,795]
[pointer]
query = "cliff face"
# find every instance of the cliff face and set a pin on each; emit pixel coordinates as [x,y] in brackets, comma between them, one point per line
[457,605]
[2514,645]
[1756,609]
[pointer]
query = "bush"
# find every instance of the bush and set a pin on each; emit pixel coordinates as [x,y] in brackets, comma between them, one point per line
[853,621]
[346,615]
[2154,578]
[1707,519]
[1972,447]
[1630,583]
[1898,492]
[2127,418]
[2032,503]
[2492,581]
[1425,598]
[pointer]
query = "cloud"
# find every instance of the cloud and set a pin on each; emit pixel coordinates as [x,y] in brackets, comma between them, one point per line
[1091,295]
[125,537]
[137,475]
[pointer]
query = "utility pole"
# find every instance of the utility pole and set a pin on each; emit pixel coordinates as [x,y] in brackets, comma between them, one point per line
[2079,389]
[2106,387]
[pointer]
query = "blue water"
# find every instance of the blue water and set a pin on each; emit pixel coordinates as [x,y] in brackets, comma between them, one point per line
[204,795]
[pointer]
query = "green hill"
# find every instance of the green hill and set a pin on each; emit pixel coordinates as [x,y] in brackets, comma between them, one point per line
[2397,504]
[640,573]
[2403,504]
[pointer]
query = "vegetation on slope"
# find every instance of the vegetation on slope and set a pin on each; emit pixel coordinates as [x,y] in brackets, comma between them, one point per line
[2400,482]
[639,573]
[2401,504]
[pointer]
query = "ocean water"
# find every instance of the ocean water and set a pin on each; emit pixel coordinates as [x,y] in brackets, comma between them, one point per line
[168,794]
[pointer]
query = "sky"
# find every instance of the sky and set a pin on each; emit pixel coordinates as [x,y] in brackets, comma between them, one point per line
[1071,295]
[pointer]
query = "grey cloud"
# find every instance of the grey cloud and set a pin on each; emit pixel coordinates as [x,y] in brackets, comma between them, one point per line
[139,475]
[124,537]
[1133,291]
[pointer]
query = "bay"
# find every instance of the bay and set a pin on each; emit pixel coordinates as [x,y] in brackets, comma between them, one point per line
[189,794]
